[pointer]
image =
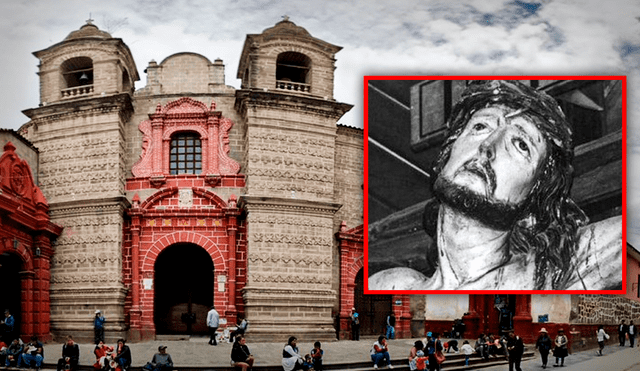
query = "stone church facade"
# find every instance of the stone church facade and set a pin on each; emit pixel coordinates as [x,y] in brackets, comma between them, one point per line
[189,193]
[154,204]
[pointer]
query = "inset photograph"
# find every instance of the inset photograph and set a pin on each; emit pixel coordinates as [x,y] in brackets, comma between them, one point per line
[495,183]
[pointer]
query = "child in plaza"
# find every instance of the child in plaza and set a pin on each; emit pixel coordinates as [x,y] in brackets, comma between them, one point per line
[421,361]
[316,355]
[467,350]
[602,336]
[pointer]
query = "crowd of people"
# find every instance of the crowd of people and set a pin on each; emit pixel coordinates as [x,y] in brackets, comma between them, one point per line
[426,354]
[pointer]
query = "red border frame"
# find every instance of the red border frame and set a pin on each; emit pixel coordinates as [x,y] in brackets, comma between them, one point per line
[547,292]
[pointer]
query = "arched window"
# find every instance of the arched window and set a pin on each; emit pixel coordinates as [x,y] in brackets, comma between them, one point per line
[292,72]
[186,154]
[77,76]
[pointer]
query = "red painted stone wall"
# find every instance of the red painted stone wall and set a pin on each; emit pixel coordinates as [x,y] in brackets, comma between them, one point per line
[161,218]
[27,233]
[351,261]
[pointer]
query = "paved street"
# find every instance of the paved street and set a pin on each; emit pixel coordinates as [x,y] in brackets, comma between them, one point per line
[196,352]
[615,358]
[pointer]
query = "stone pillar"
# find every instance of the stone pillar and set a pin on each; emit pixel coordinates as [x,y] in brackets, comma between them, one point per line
[135,325]
[472,320]
[289,267]
[347,285]
[42,254]
[232,213]
[400,307]
[522,321]
[27,327]
[213,123]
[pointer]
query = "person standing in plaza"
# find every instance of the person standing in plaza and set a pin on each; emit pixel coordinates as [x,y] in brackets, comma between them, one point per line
[468,350]
[355,325]
[560,351]
[632,331]
[515,347]
[391,326]
[98,327]
[544,346]
[601,336]
[622,332]
[434,346]
[9,324]
[213,321]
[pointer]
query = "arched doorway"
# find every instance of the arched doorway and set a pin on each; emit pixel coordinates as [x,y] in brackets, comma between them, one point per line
[501,318]
[373,309]
[183,289]
[10,267]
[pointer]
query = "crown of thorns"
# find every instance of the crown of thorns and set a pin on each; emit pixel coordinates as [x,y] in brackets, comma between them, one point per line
[539,106]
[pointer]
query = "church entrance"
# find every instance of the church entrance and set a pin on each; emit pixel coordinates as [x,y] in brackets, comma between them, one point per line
[372,309]
[502,316]
[10,267]
[183,289]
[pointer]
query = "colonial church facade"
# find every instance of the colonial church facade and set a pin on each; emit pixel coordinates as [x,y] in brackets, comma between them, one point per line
[190,193]
[154,204]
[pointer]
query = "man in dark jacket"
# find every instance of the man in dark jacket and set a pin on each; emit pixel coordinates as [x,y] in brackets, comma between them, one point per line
[515,348]
[123,354]
[70,356]
[622,333]
[14,351]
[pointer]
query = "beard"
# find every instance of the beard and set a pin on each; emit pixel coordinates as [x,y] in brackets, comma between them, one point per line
[498,215]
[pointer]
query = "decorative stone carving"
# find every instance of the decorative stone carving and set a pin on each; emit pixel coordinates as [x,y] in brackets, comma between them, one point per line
[297,259]
[180,115]
[304,222]
[291,239]
[286,278]
[185,197]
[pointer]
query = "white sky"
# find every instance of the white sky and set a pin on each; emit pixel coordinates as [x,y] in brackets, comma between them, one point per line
[379,37]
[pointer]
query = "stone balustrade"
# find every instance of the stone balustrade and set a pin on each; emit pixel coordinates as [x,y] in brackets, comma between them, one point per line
[77,91]
[294,86]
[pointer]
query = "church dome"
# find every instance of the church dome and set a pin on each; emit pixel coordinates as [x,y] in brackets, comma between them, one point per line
[286,27]
[88,30]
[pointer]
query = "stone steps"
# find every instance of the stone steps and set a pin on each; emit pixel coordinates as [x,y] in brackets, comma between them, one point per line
[453,362]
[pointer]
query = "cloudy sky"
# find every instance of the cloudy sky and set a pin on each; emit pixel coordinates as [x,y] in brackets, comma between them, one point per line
[380,37]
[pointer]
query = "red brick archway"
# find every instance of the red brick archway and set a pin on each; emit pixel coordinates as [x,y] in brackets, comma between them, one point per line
[351,262]
[162,221]
[26,233]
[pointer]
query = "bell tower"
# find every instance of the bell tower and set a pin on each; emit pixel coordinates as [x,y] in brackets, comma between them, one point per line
[86,88]
[289,116]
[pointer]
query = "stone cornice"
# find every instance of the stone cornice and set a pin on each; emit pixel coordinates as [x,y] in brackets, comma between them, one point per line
[78,107]
[251,203]
[246,99]
[119,203]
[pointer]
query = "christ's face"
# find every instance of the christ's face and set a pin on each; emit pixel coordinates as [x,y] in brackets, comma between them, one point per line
[497,155]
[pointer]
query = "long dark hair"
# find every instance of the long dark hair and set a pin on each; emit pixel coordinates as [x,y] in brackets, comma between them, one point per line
[550,219]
